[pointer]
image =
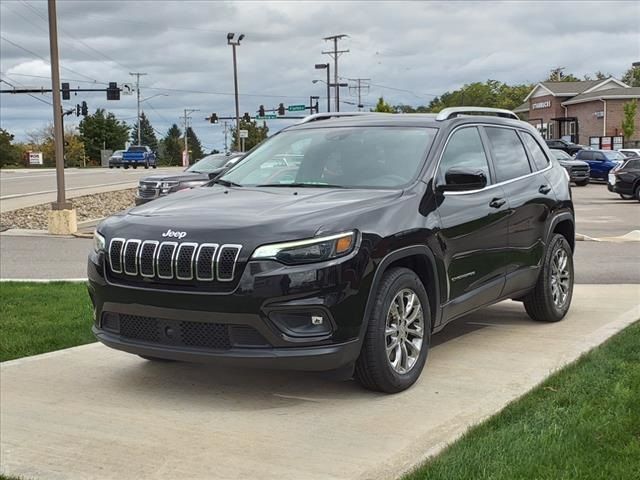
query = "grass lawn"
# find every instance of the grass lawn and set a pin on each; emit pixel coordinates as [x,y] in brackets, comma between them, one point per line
[582,423]
[42,317]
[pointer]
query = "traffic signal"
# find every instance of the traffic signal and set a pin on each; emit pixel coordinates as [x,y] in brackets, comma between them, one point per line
[113,92]
[66,94]
[213,118]
[281,109]
[316,107]
[261,111]
[85,109]
[78,109]
[246,117]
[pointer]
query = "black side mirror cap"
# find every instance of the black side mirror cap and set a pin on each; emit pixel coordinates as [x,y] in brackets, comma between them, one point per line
[462,180]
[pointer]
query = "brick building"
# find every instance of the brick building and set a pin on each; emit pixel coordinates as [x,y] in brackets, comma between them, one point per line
[588,112]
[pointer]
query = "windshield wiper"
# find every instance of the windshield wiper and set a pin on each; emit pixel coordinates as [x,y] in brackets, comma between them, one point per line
[301,184]
[225,183]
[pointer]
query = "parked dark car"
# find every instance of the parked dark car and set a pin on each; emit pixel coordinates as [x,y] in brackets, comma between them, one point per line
[560,144]
[600,161]
[139,156]
[154,186]
[625,181]
[393,226]
[577,169]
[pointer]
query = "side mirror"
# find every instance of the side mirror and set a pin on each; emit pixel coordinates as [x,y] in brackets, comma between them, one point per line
[463,179]
[214,175]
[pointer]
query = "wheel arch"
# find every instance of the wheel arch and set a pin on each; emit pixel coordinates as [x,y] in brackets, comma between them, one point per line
[564,224]
[421,260]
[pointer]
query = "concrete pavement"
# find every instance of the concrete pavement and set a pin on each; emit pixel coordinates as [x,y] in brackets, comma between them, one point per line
[27,187]
[95,413]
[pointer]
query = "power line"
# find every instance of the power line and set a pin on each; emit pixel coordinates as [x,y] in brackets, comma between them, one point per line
[359,87]
[32,96]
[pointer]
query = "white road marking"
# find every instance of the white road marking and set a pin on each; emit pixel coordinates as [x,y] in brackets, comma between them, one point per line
[19,195]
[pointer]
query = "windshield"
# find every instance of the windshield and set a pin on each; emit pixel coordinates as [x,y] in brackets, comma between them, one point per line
[356,157]
[209,163]
[611,155]
[137,149]
[560,154]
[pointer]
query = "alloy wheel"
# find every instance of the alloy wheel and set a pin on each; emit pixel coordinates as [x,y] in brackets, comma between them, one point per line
[404,331]
[560,277]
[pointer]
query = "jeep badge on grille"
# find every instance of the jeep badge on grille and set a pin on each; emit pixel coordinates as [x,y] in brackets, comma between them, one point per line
[171,234]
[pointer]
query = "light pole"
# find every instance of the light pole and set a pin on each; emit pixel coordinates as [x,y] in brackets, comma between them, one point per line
[327,66]
[138,75]
[234,44]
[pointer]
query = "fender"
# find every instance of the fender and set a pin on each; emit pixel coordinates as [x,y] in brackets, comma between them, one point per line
[416,250]
[551,225]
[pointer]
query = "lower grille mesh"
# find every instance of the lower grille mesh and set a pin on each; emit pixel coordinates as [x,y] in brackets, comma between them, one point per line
[140,328]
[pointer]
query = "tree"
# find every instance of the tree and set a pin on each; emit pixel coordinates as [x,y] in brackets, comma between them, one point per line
[214,151]
[557,75]
[102,130]
[491,93]
[195,147]
[147,133]
[9,153]
[632,77]
[42,140]
[256,134]
[629,119]
[383,107]
[172,146]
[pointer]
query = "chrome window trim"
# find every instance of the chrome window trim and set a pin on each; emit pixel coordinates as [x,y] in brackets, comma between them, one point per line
[235,260]
[176,257]
[493,185]
[213,261]
[124,256]
[117,239]
[173,253]
[155,243]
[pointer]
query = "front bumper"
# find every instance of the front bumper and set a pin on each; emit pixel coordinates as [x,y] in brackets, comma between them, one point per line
[246,326]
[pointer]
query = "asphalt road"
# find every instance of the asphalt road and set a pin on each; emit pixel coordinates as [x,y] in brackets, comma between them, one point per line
[95,413]
[26,187]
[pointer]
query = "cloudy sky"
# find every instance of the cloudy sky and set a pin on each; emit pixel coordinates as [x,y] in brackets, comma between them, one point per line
[411,52]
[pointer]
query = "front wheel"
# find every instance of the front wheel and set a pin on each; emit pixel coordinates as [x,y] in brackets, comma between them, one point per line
[549,301]
[625,197]
[397,340]
[135,166]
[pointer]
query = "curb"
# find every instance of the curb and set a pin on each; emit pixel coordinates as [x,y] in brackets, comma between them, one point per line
[43,280]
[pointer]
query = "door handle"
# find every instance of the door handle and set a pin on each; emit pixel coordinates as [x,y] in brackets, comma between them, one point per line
[544,189]
[497,202]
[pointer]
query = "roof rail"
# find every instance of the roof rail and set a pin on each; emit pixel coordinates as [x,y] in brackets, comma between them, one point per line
[452,112]
[326,115]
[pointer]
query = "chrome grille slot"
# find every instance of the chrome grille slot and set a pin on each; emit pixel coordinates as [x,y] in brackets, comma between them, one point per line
[164,261]
[205,260]
[184,261]
[147,257]
[226,262]
[130,257]
[115,254]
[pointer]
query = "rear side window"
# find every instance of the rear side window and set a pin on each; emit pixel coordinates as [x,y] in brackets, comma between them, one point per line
[584,155]
[537,154]
[465,150]
[632,164]
[510,158]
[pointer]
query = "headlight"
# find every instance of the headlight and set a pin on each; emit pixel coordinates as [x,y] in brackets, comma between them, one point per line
[98,242]
[308,251]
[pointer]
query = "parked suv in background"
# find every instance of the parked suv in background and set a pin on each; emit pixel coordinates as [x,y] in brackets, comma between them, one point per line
[115,160]
[393,226]
[154,186]
[577,169]
[600,161]
[625,181]
[559,144]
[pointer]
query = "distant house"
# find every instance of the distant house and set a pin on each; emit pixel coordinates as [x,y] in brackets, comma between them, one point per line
[588,112]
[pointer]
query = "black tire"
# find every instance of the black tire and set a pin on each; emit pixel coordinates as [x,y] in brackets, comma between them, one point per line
[154,165]
[373,367]
[126,167]
[638,193]
[583,183]
[110,166]
[146,165]
[156,359]
[625,196]
[135,167]
[539,303]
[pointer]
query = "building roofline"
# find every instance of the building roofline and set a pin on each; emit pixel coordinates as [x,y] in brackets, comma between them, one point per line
[534,89]
[609,79]
[601,97]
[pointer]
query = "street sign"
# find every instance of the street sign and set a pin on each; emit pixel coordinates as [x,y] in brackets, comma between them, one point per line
[127,89]
[244,133]
[296,108]
[268,116]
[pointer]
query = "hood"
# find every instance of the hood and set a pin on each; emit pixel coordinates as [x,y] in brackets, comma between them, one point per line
[565,162]
[251,215]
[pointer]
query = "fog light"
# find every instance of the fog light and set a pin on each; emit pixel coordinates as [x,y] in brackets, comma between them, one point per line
[301,324]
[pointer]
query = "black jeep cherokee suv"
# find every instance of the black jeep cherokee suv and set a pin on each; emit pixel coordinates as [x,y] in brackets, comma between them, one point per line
[390,227]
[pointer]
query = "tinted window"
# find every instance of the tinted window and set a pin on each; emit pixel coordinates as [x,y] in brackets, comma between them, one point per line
[584,155]
[539,158]
[632,165]
[346,157]
[209,163]
[510,159]
[464,149]
[137,149]
[612,155]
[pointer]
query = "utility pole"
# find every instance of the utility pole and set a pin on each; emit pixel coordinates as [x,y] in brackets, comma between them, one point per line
[335,54]
[359,87]
[187,111]
[138,75]
[235,44]
[327,66]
